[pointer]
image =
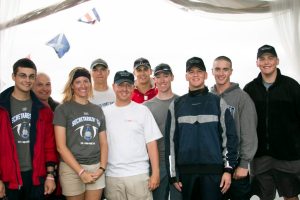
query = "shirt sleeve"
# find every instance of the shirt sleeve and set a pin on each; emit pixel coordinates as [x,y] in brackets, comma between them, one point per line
[151,129]
[60,116]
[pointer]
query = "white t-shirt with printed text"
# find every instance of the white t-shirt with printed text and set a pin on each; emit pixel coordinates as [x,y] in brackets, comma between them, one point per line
[103,98]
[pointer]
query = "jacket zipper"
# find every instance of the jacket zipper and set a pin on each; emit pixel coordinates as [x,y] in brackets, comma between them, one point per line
[267,120]
[15,166]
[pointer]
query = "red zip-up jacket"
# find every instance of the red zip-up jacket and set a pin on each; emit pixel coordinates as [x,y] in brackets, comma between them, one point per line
[43,143]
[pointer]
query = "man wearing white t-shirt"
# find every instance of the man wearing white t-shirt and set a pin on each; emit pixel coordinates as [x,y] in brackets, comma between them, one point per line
[103,94]
[132,135]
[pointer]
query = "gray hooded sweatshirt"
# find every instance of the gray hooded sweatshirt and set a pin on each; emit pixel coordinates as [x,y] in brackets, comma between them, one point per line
[244,114]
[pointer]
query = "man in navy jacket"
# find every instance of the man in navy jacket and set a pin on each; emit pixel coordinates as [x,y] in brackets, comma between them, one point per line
[200,138]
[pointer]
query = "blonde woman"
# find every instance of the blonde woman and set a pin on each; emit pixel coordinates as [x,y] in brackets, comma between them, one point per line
[81,139]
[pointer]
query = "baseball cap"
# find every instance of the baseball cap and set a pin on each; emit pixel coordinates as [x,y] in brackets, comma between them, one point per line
[164,68]
[195,62]
[141,62]
[97,62]
[266,49]
[123,76]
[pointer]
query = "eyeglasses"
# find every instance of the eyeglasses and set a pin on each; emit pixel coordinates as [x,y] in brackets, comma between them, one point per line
[25,76]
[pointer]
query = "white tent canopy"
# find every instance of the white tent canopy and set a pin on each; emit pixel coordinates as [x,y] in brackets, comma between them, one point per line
[160,30]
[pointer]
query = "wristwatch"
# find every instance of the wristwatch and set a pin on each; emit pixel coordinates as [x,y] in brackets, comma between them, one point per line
[53,173]
[103,169]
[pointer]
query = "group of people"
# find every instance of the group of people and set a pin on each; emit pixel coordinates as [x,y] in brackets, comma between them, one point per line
[138,140]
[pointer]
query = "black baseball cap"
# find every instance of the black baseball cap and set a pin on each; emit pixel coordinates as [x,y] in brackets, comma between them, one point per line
[195,62]
[141,62]
[162,68]
[123,76]
[266,49]
[100,62]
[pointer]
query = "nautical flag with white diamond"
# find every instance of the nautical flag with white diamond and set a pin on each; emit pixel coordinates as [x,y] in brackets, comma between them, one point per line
[90,17]
[60,44]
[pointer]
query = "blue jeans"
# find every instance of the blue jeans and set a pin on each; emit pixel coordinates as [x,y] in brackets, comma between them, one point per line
[165,188]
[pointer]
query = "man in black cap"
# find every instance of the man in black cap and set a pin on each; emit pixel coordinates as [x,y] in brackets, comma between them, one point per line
[200,139]
[144,88]
[158,105]
[276,165]
[131,133]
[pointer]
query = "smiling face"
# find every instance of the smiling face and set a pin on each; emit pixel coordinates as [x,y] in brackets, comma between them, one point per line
[222,71]
[42,87]
[142,74]
[24,79]
[267,64]
[163,82]
[81,87]
[196,78]
[123,93]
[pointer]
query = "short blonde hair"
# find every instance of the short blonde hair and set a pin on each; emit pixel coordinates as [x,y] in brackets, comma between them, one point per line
[68,92]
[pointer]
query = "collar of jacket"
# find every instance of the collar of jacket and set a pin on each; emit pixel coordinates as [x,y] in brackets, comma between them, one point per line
[5,99]
[259,79]
[201,91]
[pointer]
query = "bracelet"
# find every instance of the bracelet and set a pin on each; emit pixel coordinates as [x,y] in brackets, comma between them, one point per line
[81,172]
[103,169]
[50,178]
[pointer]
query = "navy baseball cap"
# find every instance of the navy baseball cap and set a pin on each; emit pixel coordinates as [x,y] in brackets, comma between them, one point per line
[123,76]
[141,62]
[162,68]
[195,62]
[266,49]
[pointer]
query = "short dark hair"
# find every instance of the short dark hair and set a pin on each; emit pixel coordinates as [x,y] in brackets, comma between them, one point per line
[23,62]
[224,58]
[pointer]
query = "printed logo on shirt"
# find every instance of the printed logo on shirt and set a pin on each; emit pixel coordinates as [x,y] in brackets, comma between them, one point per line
[232,110]
[105,104]
[21,126]
[88,133]
[196,104]
[85,119]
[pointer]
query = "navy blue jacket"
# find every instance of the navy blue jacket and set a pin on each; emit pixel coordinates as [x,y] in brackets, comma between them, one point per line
[200,135]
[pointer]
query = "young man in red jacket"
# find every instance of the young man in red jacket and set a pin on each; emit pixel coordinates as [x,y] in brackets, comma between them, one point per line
[28,152]
[144,89]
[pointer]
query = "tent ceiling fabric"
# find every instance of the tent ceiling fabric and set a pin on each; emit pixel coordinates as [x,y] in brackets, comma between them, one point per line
[226,6]
[39,13]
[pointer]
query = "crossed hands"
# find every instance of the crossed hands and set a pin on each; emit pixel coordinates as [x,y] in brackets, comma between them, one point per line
[91,177]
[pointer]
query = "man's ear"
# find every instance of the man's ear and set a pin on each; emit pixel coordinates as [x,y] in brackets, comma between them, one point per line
[13,77]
